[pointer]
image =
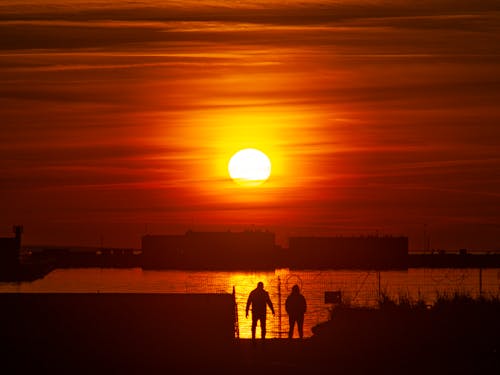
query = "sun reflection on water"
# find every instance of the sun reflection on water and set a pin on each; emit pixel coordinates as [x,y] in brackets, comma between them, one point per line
[359,288]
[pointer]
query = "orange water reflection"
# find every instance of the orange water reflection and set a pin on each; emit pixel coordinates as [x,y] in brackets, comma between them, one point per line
[358,287]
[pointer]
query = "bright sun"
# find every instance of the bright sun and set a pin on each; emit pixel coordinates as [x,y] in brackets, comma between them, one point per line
[249,167]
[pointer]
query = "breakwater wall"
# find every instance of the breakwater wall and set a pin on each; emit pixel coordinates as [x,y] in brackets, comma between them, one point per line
[68,333]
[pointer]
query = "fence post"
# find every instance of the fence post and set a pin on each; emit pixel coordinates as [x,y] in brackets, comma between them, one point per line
[279,307]
[480,282]
[378,276]
[236,321]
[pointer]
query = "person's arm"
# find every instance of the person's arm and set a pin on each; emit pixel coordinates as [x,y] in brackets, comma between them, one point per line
[270,303]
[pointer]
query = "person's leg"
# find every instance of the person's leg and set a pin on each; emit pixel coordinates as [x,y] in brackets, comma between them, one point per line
[291,324]
[263,326]
[254,325]
[300,325]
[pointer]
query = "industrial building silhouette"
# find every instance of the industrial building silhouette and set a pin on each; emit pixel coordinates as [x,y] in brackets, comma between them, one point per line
[245,250]
[258,250]
[13,268]
[372,252]
[10,248]
[210,250]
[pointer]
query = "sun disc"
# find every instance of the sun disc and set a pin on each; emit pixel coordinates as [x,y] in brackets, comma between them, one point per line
[249,167]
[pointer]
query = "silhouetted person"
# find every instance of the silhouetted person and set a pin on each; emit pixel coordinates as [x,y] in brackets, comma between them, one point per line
[259,299]
[296,308]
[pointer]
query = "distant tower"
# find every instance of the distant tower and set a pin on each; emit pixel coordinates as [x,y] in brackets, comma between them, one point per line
[18,231]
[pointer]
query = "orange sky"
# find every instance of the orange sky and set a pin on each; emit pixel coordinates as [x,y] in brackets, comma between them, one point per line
[378,117]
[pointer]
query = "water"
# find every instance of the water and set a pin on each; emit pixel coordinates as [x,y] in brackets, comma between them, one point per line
[360,288]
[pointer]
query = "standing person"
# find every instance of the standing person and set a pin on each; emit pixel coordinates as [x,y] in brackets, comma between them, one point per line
[296,308]
[259,299]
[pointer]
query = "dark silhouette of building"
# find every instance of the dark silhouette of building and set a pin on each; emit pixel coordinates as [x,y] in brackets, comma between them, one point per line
[369,252]
[257,250]
[296,307]
[13,266]
[210,250]
[10,249]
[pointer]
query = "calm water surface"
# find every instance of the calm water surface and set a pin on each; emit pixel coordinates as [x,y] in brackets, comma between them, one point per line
[360,288]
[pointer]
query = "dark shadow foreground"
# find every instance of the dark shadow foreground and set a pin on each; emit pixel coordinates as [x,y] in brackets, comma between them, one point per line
[181,333]
[460,336]
[115,333]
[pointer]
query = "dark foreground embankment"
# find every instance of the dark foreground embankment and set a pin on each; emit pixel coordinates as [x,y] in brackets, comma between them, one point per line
[176,333]
[459,335]
[115,333]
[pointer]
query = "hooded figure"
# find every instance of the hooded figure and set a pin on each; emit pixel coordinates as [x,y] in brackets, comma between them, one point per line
[259,300]
[296,308]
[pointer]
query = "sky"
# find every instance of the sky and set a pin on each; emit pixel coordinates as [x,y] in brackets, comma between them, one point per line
[118,118]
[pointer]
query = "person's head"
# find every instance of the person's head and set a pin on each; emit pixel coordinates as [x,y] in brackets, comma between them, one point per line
[295,289]
[260,285]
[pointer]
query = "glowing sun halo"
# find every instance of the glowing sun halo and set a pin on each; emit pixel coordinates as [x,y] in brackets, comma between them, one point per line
[249,167]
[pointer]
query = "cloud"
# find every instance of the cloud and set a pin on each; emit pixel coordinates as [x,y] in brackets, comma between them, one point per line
[372,111]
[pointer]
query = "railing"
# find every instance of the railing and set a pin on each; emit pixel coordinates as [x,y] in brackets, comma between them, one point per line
[236,320]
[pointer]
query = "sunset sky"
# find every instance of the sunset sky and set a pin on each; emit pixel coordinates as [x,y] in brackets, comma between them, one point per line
[118,118]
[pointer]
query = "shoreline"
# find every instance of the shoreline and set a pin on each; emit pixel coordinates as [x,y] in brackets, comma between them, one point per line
[66,258]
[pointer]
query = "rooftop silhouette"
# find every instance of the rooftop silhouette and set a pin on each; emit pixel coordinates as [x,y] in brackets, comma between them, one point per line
[258,250]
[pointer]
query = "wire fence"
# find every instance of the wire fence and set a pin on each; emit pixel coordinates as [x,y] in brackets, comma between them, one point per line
[358,287]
